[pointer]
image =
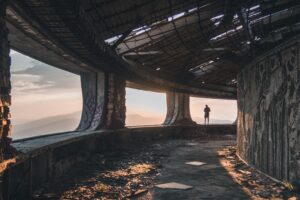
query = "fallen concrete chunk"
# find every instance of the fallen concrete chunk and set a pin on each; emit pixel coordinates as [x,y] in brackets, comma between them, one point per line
[196,163]
[192,143]
[174,185]
[138,193]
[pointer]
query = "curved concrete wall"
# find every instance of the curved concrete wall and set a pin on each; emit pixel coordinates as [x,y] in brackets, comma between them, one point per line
[46,158]
[268,112]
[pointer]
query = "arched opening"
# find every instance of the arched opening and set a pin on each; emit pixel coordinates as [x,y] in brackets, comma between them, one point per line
[222,111]
[144,107]
[45,99]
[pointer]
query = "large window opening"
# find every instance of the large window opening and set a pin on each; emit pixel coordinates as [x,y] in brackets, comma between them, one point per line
[222,111]
[45,99]
[144,107]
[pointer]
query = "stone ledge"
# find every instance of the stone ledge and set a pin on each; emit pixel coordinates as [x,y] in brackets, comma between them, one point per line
[37,143]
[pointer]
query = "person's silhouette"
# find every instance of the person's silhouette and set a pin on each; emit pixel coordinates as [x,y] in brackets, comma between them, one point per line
[206,114]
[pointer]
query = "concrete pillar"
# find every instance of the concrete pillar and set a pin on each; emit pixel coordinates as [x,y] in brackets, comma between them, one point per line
[178,109]
[103,101]
[115,114]
[6,150]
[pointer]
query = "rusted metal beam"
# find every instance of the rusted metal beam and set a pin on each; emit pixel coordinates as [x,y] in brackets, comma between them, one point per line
[121,39]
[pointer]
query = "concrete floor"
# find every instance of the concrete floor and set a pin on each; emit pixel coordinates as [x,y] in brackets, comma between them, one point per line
[210,181]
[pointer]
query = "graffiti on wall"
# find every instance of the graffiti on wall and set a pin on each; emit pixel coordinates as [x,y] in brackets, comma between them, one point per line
[268,104]
[103,101]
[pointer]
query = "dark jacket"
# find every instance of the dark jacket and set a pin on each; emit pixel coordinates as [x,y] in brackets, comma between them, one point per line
[206,111]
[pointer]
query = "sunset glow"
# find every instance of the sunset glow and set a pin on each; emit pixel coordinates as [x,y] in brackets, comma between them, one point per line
[50,98]
[222,111]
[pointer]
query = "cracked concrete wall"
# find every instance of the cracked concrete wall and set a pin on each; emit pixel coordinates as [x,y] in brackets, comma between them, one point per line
[268,112]
[5,86]
[115,107]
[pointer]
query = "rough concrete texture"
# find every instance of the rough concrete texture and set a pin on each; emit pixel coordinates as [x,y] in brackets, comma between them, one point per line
[115,105]
[120,175]
[5,86]
[268,112]
[47,158]
[93,93]
[103,101]
[135,173]
[178,109]
[210,181]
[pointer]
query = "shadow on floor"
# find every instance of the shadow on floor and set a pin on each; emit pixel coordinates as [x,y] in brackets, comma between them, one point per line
[132,174]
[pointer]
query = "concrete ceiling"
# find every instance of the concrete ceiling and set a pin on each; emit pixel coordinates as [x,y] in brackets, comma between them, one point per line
[182,45]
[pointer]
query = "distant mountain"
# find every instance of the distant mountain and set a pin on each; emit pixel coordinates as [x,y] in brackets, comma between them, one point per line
[60,123]
[200,120]
[136,119]
[69,122]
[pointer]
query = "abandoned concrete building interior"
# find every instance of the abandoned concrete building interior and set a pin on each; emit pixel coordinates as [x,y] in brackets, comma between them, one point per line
[244,50]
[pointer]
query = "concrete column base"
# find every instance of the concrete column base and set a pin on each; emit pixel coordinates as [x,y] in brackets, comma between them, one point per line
[178,109]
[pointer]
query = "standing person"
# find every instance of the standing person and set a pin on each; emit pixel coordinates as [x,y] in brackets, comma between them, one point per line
[206,114]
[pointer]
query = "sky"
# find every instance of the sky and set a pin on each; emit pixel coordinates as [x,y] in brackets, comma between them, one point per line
[40,91]
[154,104]
[145,102]
[220,109]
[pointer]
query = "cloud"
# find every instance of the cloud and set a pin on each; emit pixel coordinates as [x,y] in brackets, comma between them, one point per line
[19,61]
[25,83]
[40,77]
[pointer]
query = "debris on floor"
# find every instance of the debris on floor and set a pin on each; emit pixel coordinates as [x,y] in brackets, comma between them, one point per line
[119,175]
[254,183]
[159,171]
[174,185]
[196,163]
[138,193]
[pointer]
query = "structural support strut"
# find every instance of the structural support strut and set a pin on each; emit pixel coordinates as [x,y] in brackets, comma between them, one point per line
[178,105]
[103,101]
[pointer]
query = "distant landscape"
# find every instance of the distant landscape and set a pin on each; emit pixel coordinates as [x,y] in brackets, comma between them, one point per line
[136,119]
[69,122]
[60,123]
